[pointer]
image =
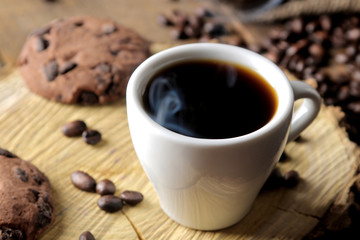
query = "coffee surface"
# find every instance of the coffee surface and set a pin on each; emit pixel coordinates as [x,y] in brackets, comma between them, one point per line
[209,99]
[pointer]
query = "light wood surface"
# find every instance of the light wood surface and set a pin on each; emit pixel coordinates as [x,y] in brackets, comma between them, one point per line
[30,127]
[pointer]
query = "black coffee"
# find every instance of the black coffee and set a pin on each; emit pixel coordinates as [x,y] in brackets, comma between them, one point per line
[209,99]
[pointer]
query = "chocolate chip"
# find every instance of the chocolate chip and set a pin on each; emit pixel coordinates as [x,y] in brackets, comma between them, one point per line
[6,153]
[44,217]
[105,187]
[79,23]
[74,128]
[41,31]
[131,197]
[7,233]
[91,137]
[109,28]
[83,181]
[38,179]
[291,178]
[35,193]
[110,203]
[51,70]
[41,43]
[21,174]
[86,236]
[104,67]
[88,98]
[67,67]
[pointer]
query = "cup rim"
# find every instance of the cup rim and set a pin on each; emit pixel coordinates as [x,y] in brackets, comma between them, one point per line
[150,66]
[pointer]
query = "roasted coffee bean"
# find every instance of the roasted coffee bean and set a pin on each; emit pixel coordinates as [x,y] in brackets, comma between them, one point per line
[317,51]
[275,180]
[291,178]
[353,34]
[91,137]
[51,70]
[74,128]
[295,25]
[284,157]
[325,22]
[110,203]
[131,197]
[105,187]
[86,236]
[83,181]
[164,20]
[204,12]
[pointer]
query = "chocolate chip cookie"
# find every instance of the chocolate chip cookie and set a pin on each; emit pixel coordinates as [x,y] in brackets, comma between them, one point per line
[26,203]
[81,59]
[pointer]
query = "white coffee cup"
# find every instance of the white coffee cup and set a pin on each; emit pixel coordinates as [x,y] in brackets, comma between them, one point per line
[210,184]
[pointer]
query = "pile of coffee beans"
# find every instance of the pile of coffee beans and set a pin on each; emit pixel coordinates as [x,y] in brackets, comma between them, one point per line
[327,49]
[198,25]
[79,128]
[324,48]
[106,188]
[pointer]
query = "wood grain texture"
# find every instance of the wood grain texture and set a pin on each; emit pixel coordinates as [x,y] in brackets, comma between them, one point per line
[30,127]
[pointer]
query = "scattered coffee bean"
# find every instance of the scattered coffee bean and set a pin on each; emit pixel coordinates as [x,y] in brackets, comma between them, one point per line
[74,128]
[284,157]
[110,203]
[83,181]
[291,178]
[91,137]
[131,197]
[86,236]
[275,179]
[105,187]
[51,70]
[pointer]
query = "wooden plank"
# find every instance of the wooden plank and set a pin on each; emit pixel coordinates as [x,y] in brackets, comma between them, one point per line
[30,127]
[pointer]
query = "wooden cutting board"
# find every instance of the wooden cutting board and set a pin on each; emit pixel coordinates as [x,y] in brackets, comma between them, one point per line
[30,127]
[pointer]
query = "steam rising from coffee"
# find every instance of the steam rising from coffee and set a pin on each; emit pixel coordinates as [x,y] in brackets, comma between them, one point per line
[208,99]
[167,104]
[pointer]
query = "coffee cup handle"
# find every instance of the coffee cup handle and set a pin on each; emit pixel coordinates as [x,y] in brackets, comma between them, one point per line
[308,109]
